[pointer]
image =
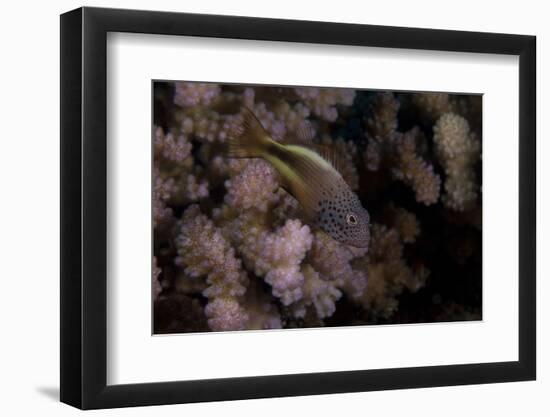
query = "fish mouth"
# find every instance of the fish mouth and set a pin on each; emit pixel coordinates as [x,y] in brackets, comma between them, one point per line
[363,243]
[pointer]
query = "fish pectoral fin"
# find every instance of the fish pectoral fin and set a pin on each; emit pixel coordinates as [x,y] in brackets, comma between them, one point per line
[307,201]
[305,210]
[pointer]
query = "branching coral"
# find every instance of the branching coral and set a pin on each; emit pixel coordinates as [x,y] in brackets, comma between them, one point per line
[332,263]
[170,148]
[163,189]
[203,251]
[328,258]
[157,288]
[323,101]
[254,187]
[234,251]
[432,105]
[388,147]
[458,151]
[414,171]
[404,222]
[205,124]
[192,94]
[299,276]
[277,257]
[183,182]
[321,294]
[381,127]
[388,273]
[382,123]
[262,312]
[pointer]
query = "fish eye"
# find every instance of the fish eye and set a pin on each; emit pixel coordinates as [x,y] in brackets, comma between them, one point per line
[351,219]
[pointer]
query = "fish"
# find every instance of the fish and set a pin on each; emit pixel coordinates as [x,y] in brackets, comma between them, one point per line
[310,173]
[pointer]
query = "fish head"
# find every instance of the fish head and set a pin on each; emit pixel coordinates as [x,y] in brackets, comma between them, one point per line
[345,220]
[355,226]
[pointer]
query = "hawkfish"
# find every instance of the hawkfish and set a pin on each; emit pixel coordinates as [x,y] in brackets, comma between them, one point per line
[310,173]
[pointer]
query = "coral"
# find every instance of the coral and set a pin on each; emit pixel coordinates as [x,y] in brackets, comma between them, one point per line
[233,250]
[458,151]
[373,155]
[330,258]
[323,102]
[381,128]
[170,148]
[388,273]
[382,123]
[432,105]
[185,284]
[317,292]
[404,222]
[262,313]
[292,117]
[413,170]
[183,183]
[398,152]
[255,186]
[470,107]
[157,288]
[226,314]
[192,189]
[205,124]
[163,189]
[189,94]
[277,256]
[203,251]
[332,262]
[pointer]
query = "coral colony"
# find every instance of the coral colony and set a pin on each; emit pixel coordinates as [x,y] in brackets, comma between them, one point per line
[233,250]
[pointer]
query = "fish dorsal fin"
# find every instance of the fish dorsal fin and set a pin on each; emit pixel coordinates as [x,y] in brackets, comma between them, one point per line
[302,136]
[330,155]
[305,133]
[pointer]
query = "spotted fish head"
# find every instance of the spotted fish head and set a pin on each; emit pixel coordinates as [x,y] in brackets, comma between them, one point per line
[344,219]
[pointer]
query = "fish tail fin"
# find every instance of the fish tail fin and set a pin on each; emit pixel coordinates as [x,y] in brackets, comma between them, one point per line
[248,140]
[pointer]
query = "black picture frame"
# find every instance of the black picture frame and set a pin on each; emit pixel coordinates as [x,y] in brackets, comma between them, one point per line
[84,207]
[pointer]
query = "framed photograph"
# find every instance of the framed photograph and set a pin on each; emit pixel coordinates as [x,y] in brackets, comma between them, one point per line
[258,208]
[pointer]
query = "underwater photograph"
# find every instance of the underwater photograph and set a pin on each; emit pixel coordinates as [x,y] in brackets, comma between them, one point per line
[284,207]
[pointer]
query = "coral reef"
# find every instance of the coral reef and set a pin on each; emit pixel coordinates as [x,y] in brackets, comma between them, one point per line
[234,251]
[203,251]
[458,150]
[323,101]
[413,170]
[397,152]
[388,272]
[193,94]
